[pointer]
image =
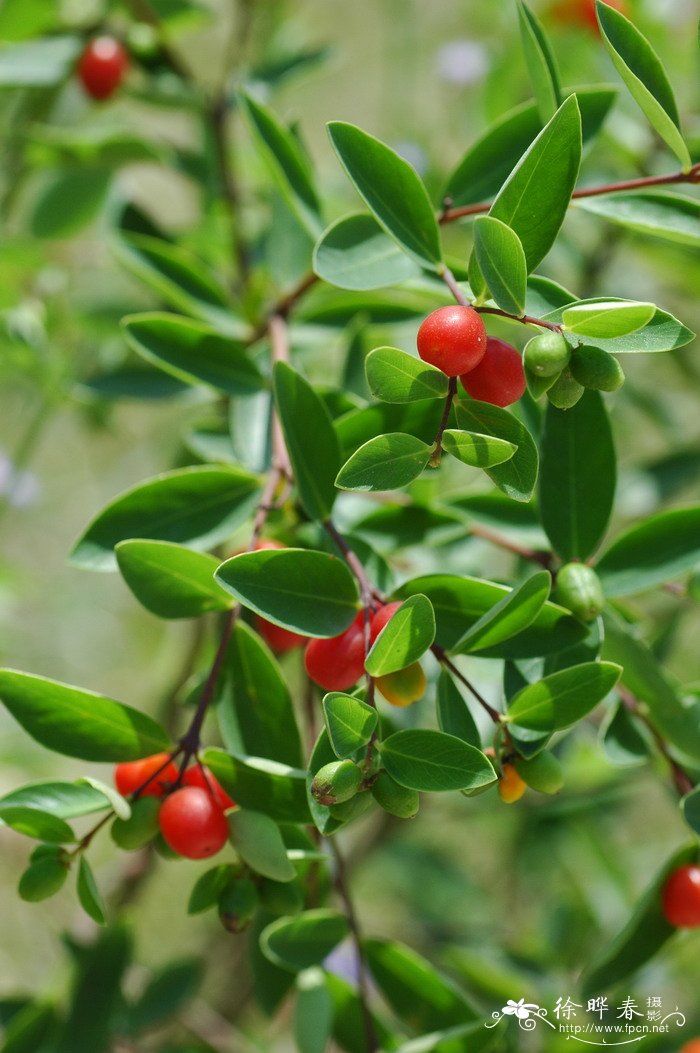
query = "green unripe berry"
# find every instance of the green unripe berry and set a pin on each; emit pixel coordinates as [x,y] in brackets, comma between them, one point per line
[237,905]
[566,391]
[281,897]
[543,772]
[395,799]
[140,828]
[579,589]
[596,369]
[547,354]
[537,385]
[336,782]
[43,878]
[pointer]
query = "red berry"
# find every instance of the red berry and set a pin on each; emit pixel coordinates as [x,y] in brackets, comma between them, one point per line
[192,823]
[338,663]
[681,897]
[102,67]
[499,378]
[131,775]
[453,339]
[380,619]
[203,778]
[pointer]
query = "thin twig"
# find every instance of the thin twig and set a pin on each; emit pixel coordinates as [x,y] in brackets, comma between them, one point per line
[436,455]
[544,559]
[442,658]
[681,780]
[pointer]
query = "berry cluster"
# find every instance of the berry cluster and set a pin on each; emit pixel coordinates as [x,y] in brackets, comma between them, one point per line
[191,818]
[551,365]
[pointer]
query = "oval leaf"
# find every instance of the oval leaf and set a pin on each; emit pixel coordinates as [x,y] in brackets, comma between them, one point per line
[395,376]
[501,259]
[608,318]
[34,823]
[652,553]
[387,462]
[478,451]
[563,698]
[258,841]
[170,580]
[509,616]
[350,723]
[433,761]
[89,894]
[517,476]
[404,639]
[355,253]
[300,942]
[262,785]
[669,216]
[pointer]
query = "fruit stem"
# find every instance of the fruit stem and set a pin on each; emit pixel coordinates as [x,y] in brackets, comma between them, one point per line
[442,658]
[525,319]
[436,455]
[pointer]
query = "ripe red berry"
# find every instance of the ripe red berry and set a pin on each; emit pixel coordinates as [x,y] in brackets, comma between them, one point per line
[380,619]
[338,663]
[203,778]
[499,378]
[681,897]
[192,823]
[131,775]
[453,339]
[102,67]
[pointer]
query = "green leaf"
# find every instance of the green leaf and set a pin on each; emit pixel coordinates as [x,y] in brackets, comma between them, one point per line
[432,761]
[255,709]
[261,784]
[517,476]
[69,200]
[417,993]
[170,580]
[349,1019]
[392,191]
[258,841]
[652,552]
[645,678]
[459,602]
[662,333]
[198,506]
[355,253]
[395,376]
[208,887]
[691,809]
[501,259]
[607,318]
[453,713]
[287,162]
[669,216]
[166,994]
[79,723]
[311,440]
[64,799]
[642,937]
[560,700]
[350,723]
[509,616]
[541,63]
[578,476]
[20,19]
[483,170]
[478,451]
[313,1012]
[30,1027]
[34,823]
[641,70]
[38,63]
[89,894]
[305,940]
[96,996]
[120,806]
[193,352]
[387,462]
[404,639]
[535,197]
[305,591]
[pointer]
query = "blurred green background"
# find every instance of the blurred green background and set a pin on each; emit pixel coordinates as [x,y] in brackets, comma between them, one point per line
[529,891]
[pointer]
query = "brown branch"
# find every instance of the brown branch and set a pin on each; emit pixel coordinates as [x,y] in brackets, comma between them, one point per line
[681,780]
[436,455]
[544,559]
[443,659]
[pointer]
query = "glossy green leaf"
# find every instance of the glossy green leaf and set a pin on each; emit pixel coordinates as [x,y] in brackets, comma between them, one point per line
[198,506]
[89,894]
[79,723]
[404,639]
[258,841]
[652,552]
[486,165]
[395,376]
[170,580]
[541,63]
[305,591]
[509,616]
[501,259]
[34,823]
[646,79]
[119,804]
[420,419]
[305,940]
[517,476]
[193,352]
[691,809]
[559,700]
[355,253]
[310,438]
[63,799]
[255,710]
[578,475]
[68,200]
[287,161]
[392,191]
[387,462]
[432,761]
[662,333]
[459,602]
[453,713]
[313,1012]
[642,937]
[478,451]
[350,723]
[662,215]
[607,318]
[624,740]
[261,784]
